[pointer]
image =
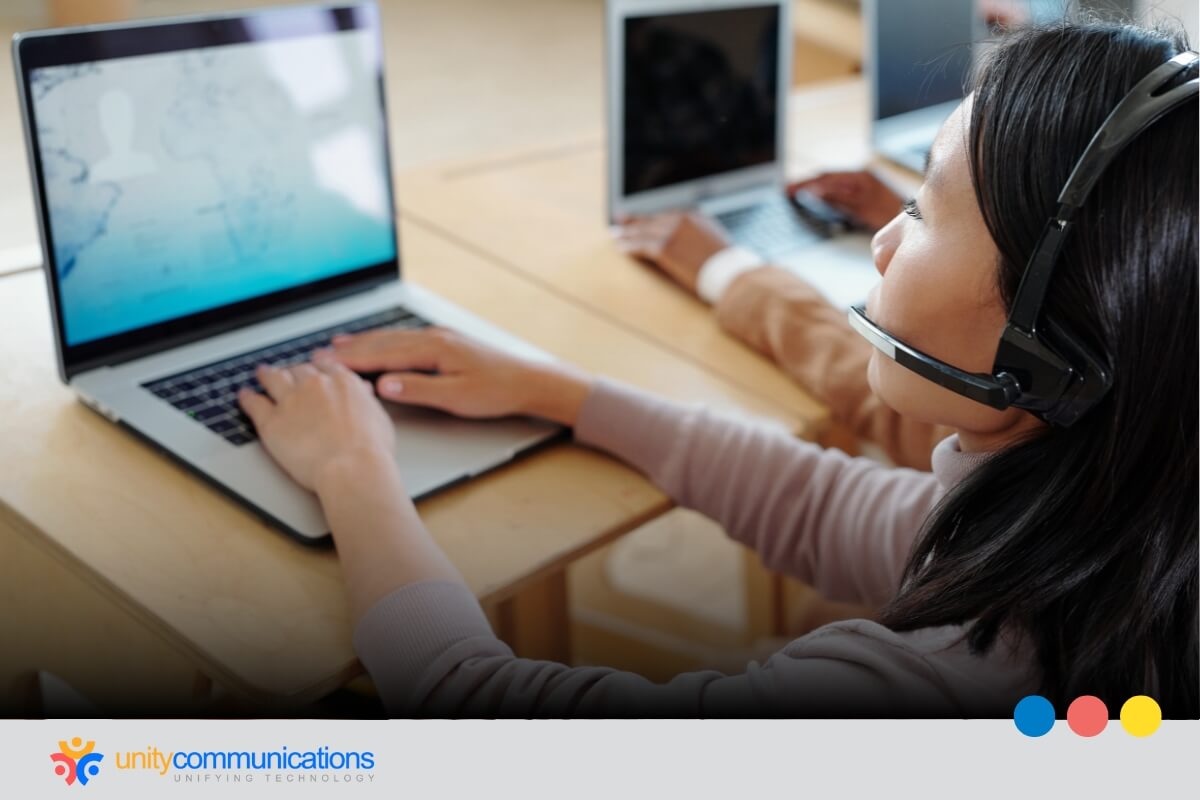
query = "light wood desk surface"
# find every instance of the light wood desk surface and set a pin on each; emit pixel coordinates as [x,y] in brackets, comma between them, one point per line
[541,214]
[213,587]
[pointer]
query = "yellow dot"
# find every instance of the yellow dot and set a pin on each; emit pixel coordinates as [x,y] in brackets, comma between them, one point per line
[1140,716]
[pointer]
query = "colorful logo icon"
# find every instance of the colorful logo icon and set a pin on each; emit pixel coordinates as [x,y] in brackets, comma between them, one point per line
[76,761]
[1087,716]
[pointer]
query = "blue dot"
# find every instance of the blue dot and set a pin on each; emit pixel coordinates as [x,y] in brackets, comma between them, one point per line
[1034,715]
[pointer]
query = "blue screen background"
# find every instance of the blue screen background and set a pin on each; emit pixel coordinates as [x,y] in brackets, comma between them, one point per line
[180,182]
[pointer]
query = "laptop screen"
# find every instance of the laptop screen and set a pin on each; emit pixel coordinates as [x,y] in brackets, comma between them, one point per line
[922,53]
[699,94]
[179,182]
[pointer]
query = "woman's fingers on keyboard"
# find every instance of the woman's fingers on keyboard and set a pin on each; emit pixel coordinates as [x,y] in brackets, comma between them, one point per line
[391,350]
[276,381]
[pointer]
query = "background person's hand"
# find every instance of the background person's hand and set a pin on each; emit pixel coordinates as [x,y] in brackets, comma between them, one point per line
[860,195]
[678,243]
[1004,14]
[442,369]
[315,416]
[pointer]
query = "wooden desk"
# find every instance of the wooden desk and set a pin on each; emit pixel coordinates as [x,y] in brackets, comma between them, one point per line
[143,588]
[541,214]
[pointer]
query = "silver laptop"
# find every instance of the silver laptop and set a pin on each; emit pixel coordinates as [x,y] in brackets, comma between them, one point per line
[215,193]
[697,118]
[918,58]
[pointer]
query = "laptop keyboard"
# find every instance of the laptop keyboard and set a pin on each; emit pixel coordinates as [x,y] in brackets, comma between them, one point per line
[772,228]
[208,394]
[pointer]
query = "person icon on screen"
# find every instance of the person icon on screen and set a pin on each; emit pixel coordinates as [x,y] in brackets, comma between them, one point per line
[116,124]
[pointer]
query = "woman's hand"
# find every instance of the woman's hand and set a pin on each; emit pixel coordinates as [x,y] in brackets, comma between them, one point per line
[860,195]
[441,369]
[317,418]
[677,243]
[323,425]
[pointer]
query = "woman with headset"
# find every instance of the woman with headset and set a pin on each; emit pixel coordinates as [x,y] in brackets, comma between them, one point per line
[1038,296]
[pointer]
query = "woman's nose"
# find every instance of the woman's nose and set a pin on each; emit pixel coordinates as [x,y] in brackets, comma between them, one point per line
[883,244]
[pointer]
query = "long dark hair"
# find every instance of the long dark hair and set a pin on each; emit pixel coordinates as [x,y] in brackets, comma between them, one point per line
[1084,539]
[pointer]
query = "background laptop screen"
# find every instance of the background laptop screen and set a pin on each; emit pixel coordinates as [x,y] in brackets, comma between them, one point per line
[923,53]
[699,94]
[183,181]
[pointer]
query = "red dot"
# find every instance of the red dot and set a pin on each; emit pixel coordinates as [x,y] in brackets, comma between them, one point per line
[1087,715]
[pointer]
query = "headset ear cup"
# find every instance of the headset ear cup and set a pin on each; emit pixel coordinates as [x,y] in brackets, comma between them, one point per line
[1038,369]
[1092,378]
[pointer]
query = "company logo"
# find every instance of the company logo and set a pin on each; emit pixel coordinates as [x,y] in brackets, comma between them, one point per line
[76,761]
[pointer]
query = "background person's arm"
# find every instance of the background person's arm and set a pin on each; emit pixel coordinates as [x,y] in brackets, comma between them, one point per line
[790,322]
[785,318]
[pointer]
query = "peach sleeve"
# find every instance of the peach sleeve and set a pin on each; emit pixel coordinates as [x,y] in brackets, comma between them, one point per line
[789,321]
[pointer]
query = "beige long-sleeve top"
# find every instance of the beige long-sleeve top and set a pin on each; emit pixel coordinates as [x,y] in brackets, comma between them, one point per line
[790,322]
[845,525]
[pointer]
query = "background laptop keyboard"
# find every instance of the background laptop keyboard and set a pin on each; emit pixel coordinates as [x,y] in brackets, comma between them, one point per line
[208,394]
[773,228]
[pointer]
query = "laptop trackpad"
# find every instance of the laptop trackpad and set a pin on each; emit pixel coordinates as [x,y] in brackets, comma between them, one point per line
[434,448]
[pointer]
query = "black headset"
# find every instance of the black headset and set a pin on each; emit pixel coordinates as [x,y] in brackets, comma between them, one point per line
[1041,367]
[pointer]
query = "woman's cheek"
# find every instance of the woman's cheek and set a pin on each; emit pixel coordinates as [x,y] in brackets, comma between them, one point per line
[909,394]
[895,302]
[892,383]
[873,372]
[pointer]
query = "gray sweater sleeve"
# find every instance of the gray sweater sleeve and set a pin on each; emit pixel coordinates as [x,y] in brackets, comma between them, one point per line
[431,652]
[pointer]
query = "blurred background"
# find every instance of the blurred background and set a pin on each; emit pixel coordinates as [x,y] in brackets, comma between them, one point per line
[468,76]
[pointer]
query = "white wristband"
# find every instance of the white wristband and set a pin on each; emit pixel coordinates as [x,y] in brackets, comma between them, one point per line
[722,269]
